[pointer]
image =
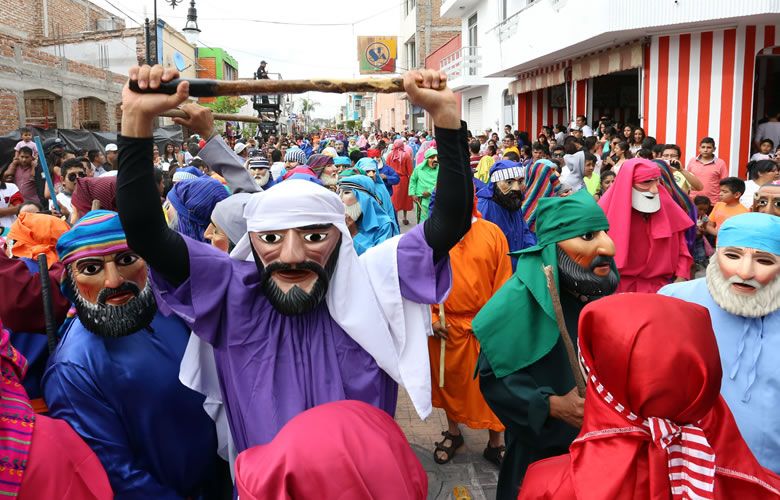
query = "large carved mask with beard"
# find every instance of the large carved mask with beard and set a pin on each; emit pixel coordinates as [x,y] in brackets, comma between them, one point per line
[296,265]
[122,308]
[586,265]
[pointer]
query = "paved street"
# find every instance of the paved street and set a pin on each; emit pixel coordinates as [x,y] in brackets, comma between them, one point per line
[468,468]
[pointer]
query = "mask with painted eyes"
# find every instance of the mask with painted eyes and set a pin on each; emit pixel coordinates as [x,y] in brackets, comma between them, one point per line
[586,265]
[745,281]
[296,265]
[351,204]
[116,311]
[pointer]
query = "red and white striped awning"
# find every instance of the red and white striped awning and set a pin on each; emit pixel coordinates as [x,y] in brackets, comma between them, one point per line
[609,61]
[547,76]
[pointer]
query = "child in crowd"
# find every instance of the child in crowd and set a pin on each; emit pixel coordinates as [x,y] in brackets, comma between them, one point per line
[606,180]
[731,189]
[765,151]
[703,245]
[590,177]
[26,142]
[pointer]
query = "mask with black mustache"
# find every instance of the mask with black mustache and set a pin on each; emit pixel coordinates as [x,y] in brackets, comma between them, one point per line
[583,281]
[297,301]
[110,321]
[511,201]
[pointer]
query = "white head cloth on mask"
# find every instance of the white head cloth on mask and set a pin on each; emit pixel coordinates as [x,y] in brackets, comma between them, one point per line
[364,293]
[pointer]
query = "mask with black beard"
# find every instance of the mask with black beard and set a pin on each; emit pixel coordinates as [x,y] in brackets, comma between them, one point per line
[109,321]
[511,201]
[296,301]
[584,282]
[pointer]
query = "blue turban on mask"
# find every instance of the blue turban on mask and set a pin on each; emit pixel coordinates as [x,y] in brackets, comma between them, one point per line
[374,225]
[751,230]
[194,200]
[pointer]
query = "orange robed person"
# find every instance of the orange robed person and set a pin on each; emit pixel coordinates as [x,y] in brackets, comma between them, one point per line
[480,265]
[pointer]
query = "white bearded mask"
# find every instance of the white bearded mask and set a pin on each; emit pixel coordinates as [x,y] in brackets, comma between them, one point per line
[645,201]
[753,297]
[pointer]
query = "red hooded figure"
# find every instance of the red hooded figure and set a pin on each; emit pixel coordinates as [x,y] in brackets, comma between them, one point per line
[655,425]
[648,228]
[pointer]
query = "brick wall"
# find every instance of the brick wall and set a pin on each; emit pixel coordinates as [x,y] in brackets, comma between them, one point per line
[9,111]
[207,69]
[74,16]
[63,17]
[432,30]
[75,113]
[118,116]
[21,17]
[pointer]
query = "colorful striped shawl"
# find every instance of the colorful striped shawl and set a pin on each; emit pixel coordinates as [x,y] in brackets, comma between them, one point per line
[542,181]
[17,418]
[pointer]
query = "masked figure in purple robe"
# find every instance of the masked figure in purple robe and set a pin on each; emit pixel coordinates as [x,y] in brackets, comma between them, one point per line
[294,316]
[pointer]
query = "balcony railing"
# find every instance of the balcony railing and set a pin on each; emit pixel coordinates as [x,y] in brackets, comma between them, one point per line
[463,62]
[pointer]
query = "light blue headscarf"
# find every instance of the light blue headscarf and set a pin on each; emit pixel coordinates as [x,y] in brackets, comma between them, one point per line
[751,230]
[374,226]
[381,190]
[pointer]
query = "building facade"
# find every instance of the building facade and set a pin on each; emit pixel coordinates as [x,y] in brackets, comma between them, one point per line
[39,84]
[681,69]
[422,31]
[216,64]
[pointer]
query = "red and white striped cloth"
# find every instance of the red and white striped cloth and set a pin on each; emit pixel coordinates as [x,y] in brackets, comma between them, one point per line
[691,459]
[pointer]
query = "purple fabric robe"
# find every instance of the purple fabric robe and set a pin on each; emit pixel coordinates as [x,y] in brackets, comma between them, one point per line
[272,367]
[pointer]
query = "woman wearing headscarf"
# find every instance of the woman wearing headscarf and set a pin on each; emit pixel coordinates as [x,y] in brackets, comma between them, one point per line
[541,181]
[645,435]
[345,449]
[401,161]
[194,200]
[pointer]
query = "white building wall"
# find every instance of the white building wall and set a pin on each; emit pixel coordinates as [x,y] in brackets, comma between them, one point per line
[528,40]
[492,93]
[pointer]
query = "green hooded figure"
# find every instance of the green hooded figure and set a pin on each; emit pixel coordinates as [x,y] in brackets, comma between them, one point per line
[423,181]
[525,375]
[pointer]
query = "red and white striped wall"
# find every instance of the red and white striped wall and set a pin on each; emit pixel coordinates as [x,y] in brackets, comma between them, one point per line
[701,84]
[535,111]
[694,85]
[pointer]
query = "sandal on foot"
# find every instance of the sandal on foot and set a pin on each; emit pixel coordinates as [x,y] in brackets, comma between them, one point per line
[456,441]
[494,455]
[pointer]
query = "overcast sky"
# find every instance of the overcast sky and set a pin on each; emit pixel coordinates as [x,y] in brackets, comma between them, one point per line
[306,48]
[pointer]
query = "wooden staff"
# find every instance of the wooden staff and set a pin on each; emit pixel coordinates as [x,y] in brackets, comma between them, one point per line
[178,113]
[200,87]
[442,345]
[570,352]
[49,321]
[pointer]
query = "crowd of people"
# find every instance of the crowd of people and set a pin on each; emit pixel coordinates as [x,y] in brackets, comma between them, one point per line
[237,316]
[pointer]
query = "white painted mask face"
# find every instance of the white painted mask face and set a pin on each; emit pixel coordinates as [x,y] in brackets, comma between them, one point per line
[351,204]
[644,197]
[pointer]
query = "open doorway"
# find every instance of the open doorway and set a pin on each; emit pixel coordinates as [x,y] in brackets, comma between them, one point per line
[766,99]
[616,96]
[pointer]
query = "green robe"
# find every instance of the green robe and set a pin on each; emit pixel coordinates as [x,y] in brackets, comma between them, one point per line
[519,400]
[423,179]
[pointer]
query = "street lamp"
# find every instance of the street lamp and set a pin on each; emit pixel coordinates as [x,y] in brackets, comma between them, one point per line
[191,30]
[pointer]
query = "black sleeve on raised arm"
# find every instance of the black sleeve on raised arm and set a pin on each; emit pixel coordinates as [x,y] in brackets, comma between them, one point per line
[141,213]
[451,218]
